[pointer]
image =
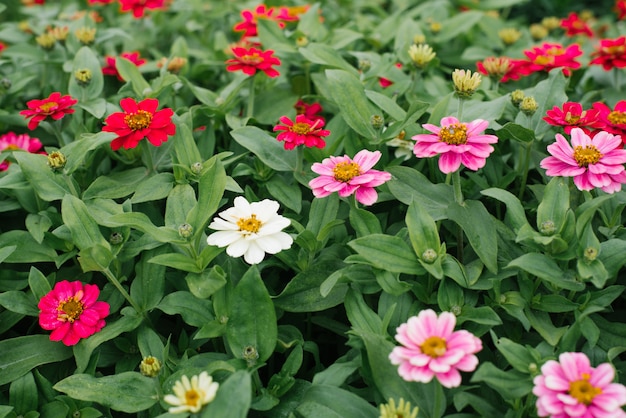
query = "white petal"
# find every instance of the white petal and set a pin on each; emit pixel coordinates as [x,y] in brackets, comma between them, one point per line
[255,254]
[223,238]
[223,225]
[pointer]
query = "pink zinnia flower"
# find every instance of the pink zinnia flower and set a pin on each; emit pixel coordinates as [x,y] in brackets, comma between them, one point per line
[55,106]
[610,54]
[347,176]
[614,119]
[457,142]
[111,65]
[302,132]
[431,348]
[12,142]
[592,162]
[72,312]
[249,60]
[570,387]
[572,115]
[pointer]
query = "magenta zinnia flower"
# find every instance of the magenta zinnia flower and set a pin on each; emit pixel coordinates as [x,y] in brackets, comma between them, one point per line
[431,348]
[251,60]
[457,142]
[12,142]
[72,311]
[572,388]
[347,176]
[614,119]
[302,132]
[572,115]
[54,106]
[592,162]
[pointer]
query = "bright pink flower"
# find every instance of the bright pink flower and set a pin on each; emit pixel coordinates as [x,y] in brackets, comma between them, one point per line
[138,121]
[251,60]
[347,176]
[11,142]
[457,142]
[610,54]
[3,46]
[549,56]
[111,67]
[309,110]
[570,387]
[55,106]
[302,132]
[100,1]
[72,311]
[574,25]
[592,162]
[620,9]
[431,348]
[572,115]
[138,7]
[250,17]
[614,119]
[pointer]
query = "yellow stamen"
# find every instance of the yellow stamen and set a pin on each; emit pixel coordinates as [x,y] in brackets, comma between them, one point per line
[434,347]
[191,397]
[617,118]
[455,134]
[70,309]
[301,128]
[139,120]
[544,60]
[251,59]
[251,224]
[573,119]
[584,391]
[346,171]
[46,107]
[587,155]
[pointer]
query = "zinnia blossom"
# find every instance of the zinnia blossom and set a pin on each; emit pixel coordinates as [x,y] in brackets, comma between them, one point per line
[457,143]
[72,312]
[571,115]
[620,9]
[431,348]
[574,25]
[191,396]
[55,106]
[138,7]
[251,230]
[610,54]
[592,162]
[302,132]
[549,56]
[570,387]
[138,121]
[12,142]
[614,119]
[251,60]
[111,65]
[348,176]
[311,111]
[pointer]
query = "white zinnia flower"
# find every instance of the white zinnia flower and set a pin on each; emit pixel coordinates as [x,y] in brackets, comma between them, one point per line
[251,230]
[192,396]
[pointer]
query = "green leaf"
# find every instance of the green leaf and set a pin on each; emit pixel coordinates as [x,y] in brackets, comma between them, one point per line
[554,205]
[361,316]
[48,185]
[86,59]
[515,213]
[22,354]
[542,323]
[19,302]
[23,394]
[480,229]
[325,55]
[541,266]
[252,319]
[141,222]
[211,186]
[408,184]
[547,93]
[156,187]
[180,202]
[95,258]
[195,312]
[38,224]
[126,392]
[116,185]
[237,387]
[150,343]
[84,229]
[458,24]
[265,147]
[287,193]
[177,261]
[185,146]
[322,212]
[207,282]
[129,72]
[422,229]
[148,286]
[512,385]
[515,132]
[386,104]
[325,401]
[77,151]
[388,253]
[364,222]
[20,247]
[38,283]
[517,355]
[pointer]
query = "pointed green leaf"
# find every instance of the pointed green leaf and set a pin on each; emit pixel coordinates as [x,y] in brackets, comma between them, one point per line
[84,229]
[388,253]
[265,147]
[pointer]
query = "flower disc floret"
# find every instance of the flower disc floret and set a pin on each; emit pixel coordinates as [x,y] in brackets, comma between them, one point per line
[192,395]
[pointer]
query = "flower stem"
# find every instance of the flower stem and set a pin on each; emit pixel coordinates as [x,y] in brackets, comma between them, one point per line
[458,198]
[299,159]
[71,185]
[460,111]
[113,280]
[525,168]
[147,152]
[250,108]
[617,79]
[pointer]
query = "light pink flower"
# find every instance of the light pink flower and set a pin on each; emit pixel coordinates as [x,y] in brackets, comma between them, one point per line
[592,162]
[457,143]
[347,176]
[431,348]
[72,311]
[572,388]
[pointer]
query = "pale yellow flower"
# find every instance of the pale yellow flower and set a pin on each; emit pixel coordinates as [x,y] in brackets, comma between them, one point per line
[509,35]
[421,54]
[191,396]
[403,410]
[465,82]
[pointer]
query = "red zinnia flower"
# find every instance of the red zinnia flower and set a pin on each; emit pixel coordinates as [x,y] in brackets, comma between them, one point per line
[549,56]
[111,67]
[574,25]
[292,14]
[100,1]
[138,7]
[138,121]
[302,132]
[11,142]
[250,17]
[620,9]
[385,82]
[614,119]
[55,106]
[3,46]
[611,53]
[572,115]
[249,60]
[72,312]
[309,110]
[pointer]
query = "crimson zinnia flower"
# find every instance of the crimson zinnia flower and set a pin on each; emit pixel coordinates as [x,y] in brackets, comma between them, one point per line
[572,115]
[549,56]
[611,53]
[574,25]
[620,9]
[138,7]
[55,106]
[309,110]
[303,132]
[72,312]
[111,67]
[138,121]
[250,17]
[614,119]
[249,60]
[12,142]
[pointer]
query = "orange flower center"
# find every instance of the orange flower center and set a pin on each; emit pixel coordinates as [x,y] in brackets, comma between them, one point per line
[455,134]
[617,118]
[584,391]
[587,155]
[70,310]
[251,59]
[346,171]
[11,147]
[139,120]
[434,347]
[614,50]
[251,224]
[192,397]
[46,107]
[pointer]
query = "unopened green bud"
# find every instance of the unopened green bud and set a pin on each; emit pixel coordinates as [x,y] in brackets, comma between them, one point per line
[465,82]
[590,254]
[185,231]
[377,121]
[528,106]
[456,310]
[83,76]
[429,256]
[56,160]
[5,83]
[116,238]
[46,41]
[196,168]
[365,65]
[547,228]
[250,355]
[150,366]
[532,368]
[517,96]
[302,41]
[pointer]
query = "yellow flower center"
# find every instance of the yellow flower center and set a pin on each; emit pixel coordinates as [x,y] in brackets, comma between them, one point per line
[434,347]
[572,119]
[455,134]
[555,51]
[70,310]
[617,118]
[587,155]
[11,147]
[583,391]
[251,224]
[46,107]
[544,60]
[251,59]
[614,50]
[301,128]
[192,397]
[139,120]
[346,171]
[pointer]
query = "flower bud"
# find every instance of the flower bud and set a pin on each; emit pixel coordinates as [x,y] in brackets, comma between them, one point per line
[5,83]
[302,41]
[196,168]
[551,22]
[419,39]
[150,366]
[85,35]
[528,105]
[83,76]
[185,231]
[537,31]
[517,96]
[59,33]
[509,35]
[377,121]
[364,65]
[429,256]
[421,54]
[547,228]
[116,238]
[465,82]
[456,310]
[46,41]
[590,254]
[496,67]
[250,355]
[435,27]
[56,160]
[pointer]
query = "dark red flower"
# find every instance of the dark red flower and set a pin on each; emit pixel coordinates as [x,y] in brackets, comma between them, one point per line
[309,110]
[251,60]
[574,25]
[138,7]
[55,106]
[572,115]
[303,132]
[610,54]
[138,121]
[111,66]
[614,119]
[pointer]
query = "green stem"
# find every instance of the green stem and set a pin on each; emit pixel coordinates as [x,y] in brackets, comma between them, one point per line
[616,79]
[147,152]
[113,280]
[299,159]
[460,112]
[250,108]
[525,168]
[71,185]
[458,198]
